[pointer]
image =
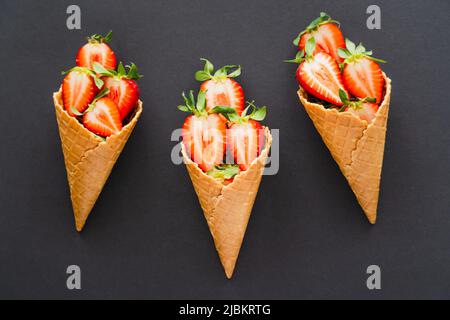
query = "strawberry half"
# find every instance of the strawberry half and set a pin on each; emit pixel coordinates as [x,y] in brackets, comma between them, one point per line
[245,135]
[365,109]
[220,88]
[327,35]
[319,74]
[122,86]
[79,87]
[102,117]
[362,74]
[97,50]
[203,133]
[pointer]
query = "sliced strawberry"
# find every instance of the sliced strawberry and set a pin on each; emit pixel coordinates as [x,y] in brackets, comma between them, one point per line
[223,92]
[204,139]
[97,50]
[78,90]
[319,75]
[366,109]
[327,35]
[203,134]
[122,86]
[362,75]
[220,88]
[103,118]
[245,135]
[245,141]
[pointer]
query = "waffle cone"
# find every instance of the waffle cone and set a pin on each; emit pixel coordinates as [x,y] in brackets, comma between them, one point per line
[227,208]
[355,145]
[88,158]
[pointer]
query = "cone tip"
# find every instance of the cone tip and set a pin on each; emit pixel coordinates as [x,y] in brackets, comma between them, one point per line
[372,219]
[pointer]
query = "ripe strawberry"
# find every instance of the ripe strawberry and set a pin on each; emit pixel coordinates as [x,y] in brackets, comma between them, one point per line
[97,50]
[327,35]
[362,75]
[79,88]
[319,74]
[220,88]
[122,86]
[102,116]
[203,133]
[245,135]
[366,109]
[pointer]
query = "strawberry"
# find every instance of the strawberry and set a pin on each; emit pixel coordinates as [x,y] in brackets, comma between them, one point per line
[79,88]
[220,88]
[97,50]
[122,86]
[327,35]
[362,75]
[365,109]
[203,133]
[102,117]
[245,135]
[319,74]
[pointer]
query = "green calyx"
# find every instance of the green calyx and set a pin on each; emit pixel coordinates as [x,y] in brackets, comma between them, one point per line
[353,53]
[324,18]
[228,71]
[98,38]
[304,55]
[100,95]
[354,104]
[120,72]
[197,108]
[97,80]
[224,171]
[251,112]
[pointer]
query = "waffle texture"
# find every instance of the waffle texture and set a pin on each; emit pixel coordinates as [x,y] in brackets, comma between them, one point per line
[88,158]
[227,208]
[356,146]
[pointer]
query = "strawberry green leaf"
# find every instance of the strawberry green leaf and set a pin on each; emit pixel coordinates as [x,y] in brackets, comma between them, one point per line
[370,99]
[310,46]
[202,76]
[98,82]
[108,37]
[184,108]
[209,67]
[222,110]
[133,72]
[377,60]
[343,96]
[121,69]
[201,101]
[299,57]
[99,69]
[350,46]
[75,111]
[259,114]
[343,53]
[235,73]
[224,172]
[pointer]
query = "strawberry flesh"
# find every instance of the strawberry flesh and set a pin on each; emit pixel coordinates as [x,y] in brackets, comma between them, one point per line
[320,76]
[124,92]
[78,90]
[204,139]
[329,39]
[104,118]
[367,111]
[223,92]
[245,141]
[96,52]
[364,78]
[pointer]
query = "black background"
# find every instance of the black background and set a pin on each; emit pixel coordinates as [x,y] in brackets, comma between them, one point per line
[146,237]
